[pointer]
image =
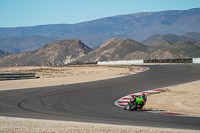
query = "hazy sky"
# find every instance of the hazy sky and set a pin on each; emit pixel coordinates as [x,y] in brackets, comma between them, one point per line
[14,13]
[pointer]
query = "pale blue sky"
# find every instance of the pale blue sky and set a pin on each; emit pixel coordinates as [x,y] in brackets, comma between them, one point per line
[15,13]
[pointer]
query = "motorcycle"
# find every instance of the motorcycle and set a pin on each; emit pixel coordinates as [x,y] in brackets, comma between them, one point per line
[133,104]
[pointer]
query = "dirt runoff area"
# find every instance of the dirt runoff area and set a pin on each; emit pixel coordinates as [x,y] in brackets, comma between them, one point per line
[52,76]
[180,96]
[182,99]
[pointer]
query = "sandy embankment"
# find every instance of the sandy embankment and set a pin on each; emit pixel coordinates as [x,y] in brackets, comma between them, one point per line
[68,75]
[183,99]
[52,76]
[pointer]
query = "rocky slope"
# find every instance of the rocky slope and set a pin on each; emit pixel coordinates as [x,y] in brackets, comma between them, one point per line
[127,49]
[184,49]
[54,54]
[116,49]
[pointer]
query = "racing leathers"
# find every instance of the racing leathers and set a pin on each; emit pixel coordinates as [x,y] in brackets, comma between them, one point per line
[141,100]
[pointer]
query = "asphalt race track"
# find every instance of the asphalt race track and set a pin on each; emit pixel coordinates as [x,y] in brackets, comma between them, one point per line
[94,101]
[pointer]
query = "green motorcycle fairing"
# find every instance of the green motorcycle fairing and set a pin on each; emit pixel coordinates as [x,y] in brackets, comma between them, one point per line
[139,100]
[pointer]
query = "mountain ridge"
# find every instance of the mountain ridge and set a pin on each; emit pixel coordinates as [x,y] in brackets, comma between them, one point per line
[154,39]
[2,53]
[19,44]
[137,26]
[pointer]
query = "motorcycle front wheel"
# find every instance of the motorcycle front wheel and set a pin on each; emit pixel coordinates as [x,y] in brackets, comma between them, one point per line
[133,106]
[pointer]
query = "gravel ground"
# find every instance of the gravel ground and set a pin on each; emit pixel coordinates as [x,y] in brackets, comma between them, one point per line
[20,125]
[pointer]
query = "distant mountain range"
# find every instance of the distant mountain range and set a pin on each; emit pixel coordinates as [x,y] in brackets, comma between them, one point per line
[23,43]
[192,35]
[3,53]
[66,52]
[136,26]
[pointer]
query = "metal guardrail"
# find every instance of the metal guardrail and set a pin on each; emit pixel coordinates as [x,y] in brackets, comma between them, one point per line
[16,76]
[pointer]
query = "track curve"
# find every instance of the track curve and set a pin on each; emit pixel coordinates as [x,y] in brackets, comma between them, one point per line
[94,101]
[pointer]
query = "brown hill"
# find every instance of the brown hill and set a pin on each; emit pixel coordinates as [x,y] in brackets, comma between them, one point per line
[152,40]
[126,49]
[116,49]
[163,43]
[74,51]
[197,43]
[55,54]
[184,49]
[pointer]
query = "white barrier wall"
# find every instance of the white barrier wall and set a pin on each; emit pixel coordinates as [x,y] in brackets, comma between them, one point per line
[121,62]
[196,60]
[124,62]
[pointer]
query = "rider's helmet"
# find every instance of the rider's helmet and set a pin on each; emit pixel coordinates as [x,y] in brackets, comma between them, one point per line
[143,95]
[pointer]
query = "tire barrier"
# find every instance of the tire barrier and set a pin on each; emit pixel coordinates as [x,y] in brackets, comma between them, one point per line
[16,76]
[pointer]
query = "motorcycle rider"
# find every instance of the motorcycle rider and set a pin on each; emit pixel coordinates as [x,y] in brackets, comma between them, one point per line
[141,100]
